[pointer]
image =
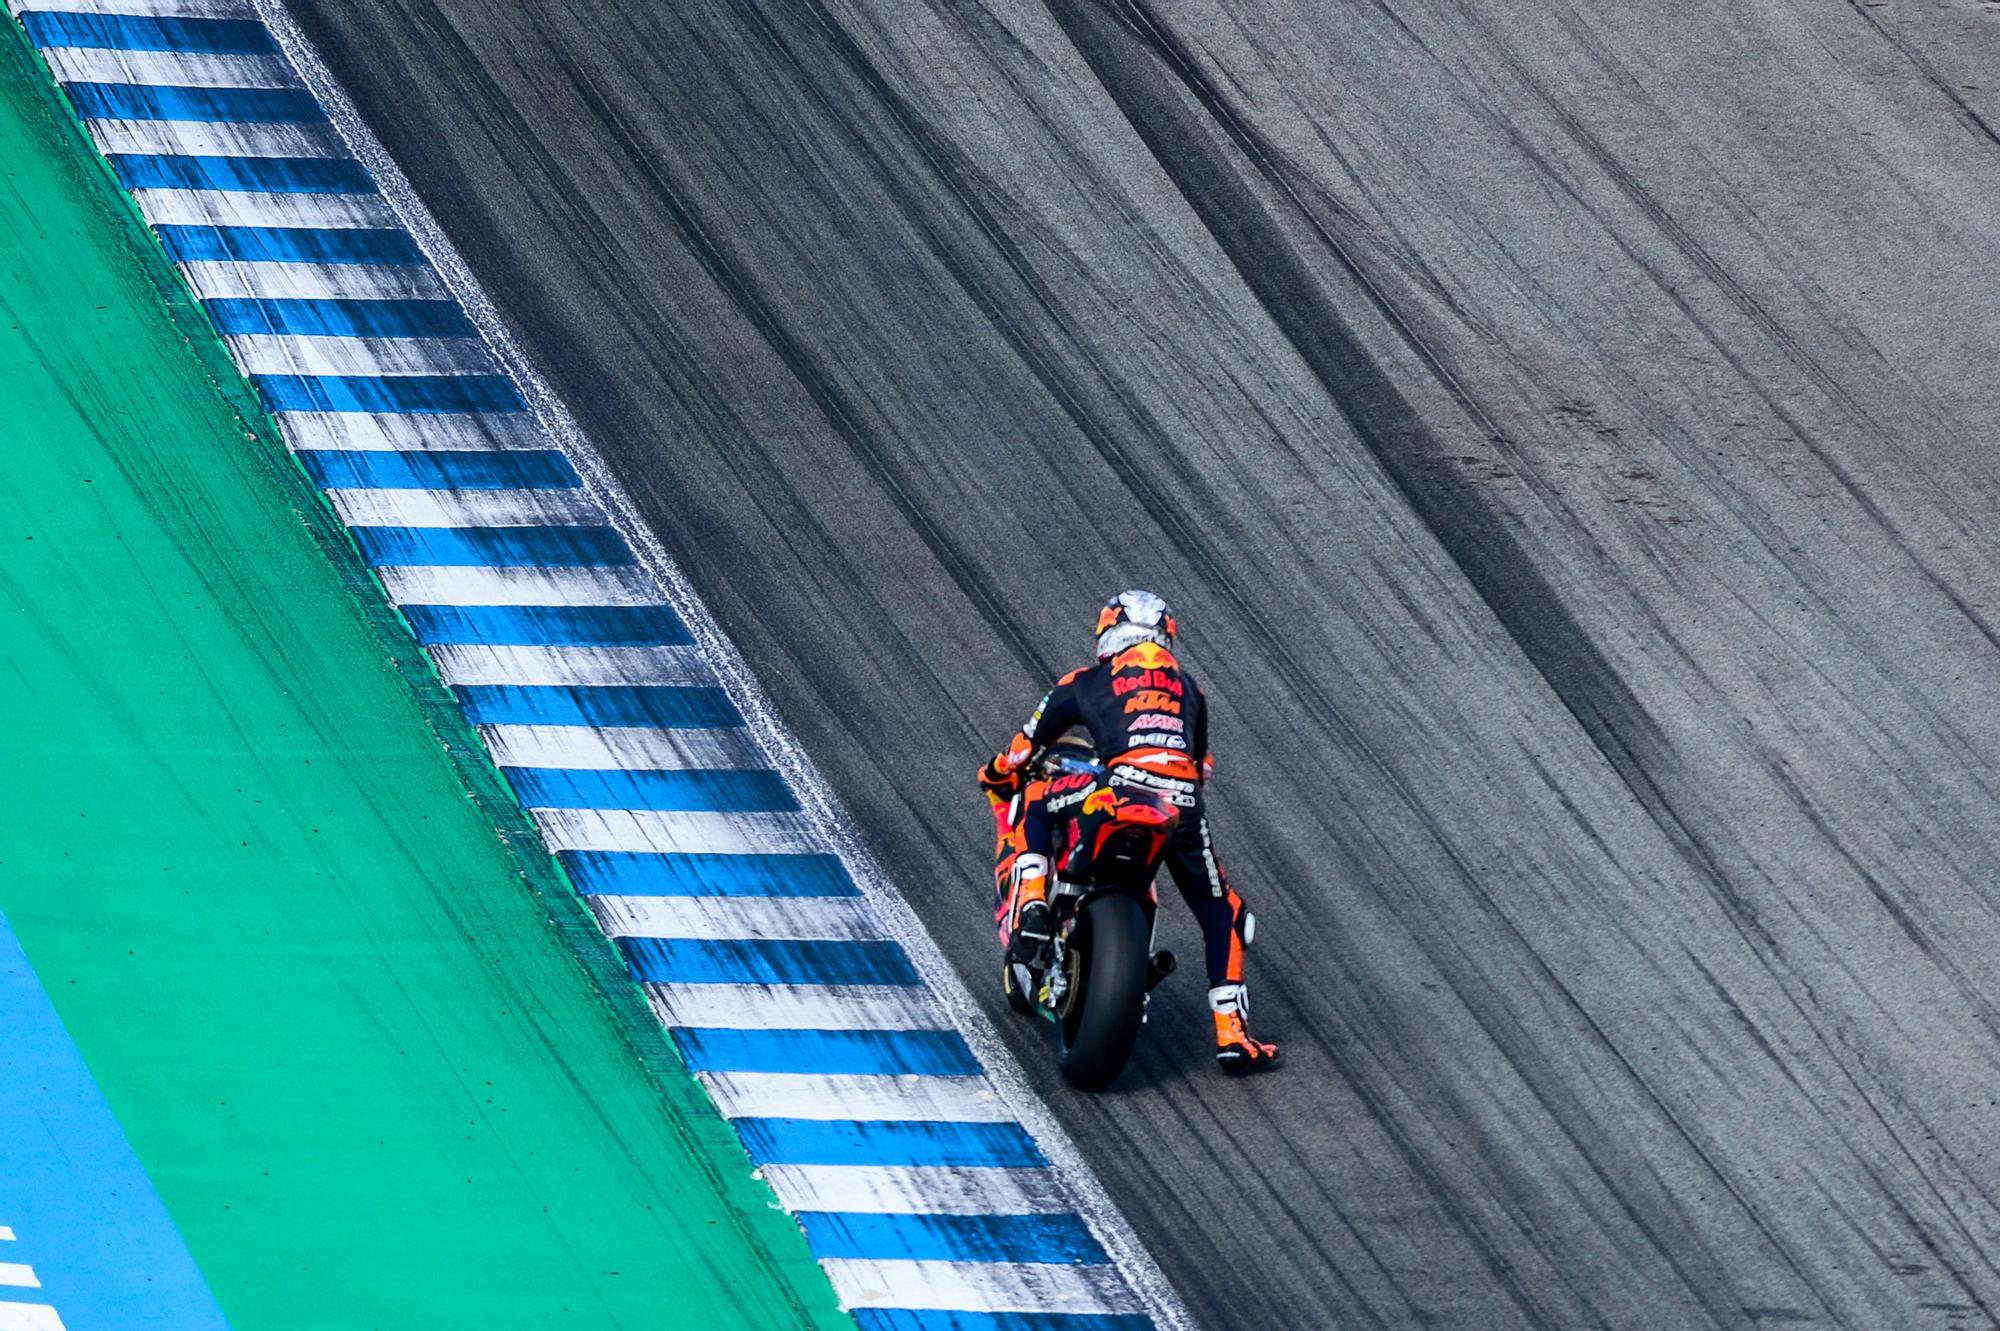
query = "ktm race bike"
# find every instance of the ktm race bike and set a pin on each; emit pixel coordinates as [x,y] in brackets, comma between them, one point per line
[1092,979]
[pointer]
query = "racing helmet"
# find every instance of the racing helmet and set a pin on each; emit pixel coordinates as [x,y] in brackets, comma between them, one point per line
[1130,618]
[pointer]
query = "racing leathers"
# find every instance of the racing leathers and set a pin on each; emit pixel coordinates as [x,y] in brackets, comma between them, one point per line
[1148,723]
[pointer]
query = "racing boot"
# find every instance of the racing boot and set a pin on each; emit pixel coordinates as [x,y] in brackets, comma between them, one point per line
[1235,1050]
[1029,932]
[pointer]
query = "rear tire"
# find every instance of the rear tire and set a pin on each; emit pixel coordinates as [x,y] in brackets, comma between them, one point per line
[1106,1000]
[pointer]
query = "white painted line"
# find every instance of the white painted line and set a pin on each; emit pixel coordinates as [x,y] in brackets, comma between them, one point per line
[6,1234]
[735,917]
[171,69]
[293,353]
[980,1286]
[823,1096]
[796,1007]
[465,508]
[432,584]
[607,748]
[478,664]
[29,1317]
[212,278]
[18,1275]
[216,138]
[397,432]
[916,1189]
[684,832]
[221,207]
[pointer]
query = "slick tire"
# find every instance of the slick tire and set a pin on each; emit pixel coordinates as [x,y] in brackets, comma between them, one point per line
[1106,1000]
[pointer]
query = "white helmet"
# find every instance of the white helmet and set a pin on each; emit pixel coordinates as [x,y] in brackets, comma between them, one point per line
[1130,618]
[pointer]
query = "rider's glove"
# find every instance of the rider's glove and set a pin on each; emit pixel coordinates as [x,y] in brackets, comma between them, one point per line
[997,779]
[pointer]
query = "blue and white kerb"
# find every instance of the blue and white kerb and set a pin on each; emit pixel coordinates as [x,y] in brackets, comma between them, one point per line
[927,1202]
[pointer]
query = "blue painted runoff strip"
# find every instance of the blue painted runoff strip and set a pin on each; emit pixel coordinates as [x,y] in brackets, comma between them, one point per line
[691,708]
[140,32]
[812,1141]
[374,469]
[152,101]
[638,873]
[549,625]
[240,175]
[830,1053]
[689,789]
[83,1212]
[419,394]
[951,1319]
[289,244]
[1063,1239]
[494,547]
[339,318]
[767,961]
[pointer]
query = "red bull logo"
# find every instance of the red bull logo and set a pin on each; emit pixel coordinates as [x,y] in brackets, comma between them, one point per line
[1167,680]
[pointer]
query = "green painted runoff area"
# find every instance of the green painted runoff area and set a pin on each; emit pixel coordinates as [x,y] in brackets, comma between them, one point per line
[361,1034]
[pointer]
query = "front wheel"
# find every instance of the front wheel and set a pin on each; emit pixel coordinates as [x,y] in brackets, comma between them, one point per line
[1012,977]
[1106,997]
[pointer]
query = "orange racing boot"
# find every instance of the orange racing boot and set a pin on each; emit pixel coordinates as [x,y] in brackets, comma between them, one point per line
[1235,1050]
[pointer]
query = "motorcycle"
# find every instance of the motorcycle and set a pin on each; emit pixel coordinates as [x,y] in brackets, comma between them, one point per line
[1093,979]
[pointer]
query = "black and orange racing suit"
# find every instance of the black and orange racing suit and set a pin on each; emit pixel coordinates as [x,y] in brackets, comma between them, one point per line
[1148,723]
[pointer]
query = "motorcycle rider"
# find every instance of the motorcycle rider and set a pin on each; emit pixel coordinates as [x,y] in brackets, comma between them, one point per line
[1148,723]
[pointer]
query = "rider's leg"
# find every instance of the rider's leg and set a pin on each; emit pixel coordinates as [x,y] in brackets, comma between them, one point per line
[1225,927]
[1007,847]
[1021,876]
[1204,885]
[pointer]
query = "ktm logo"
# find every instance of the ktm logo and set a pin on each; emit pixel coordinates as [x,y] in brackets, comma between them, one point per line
[1152,700]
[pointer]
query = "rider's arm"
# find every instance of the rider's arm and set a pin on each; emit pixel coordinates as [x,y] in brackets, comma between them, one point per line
[1053,717]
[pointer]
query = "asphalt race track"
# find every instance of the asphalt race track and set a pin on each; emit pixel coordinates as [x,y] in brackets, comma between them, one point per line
[1567,432]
